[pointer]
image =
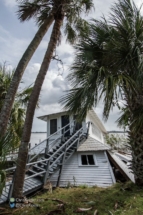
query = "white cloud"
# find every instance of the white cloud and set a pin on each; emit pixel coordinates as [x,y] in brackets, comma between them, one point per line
[12,47]
[10,3]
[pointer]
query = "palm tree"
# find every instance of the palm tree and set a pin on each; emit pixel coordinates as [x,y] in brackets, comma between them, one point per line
[43,12]
[11,139]
[18,113]
[7,143]
[70,10]
[109,65]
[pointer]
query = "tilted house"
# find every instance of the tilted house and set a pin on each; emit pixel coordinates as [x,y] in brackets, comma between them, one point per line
[89,163]
[72,154]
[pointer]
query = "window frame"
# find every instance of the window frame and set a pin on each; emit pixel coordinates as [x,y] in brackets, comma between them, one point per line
[88,165]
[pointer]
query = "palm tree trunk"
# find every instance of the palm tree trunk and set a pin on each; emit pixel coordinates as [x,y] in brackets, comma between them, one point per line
[23,150]
[9,99]
[136,141]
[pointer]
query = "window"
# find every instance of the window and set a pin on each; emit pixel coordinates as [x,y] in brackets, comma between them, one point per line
[53,126]
[87,160]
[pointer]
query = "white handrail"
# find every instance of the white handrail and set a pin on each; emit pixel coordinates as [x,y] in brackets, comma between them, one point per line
[47,159]
[52,135]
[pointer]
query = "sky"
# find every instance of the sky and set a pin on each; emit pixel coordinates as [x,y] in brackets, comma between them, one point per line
[14,39]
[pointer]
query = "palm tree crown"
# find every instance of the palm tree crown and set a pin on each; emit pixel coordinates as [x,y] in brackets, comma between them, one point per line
[108,61]
[70,9]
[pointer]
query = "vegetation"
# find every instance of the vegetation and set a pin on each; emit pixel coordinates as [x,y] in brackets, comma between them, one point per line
[17,117]
[116,141]
[11,139]
[68,12]
[121,199]
[108,65]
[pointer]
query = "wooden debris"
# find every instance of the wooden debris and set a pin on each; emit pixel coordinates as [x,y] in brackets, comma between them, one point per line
[95,212]
[116,206]
[80,210]
[91,203]
[111,213]
[60,205]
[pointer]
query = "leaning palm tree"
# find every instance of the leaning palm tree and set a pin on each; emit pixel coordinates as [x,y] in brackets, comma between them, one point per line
[109,65]
[71,11]
[43,12]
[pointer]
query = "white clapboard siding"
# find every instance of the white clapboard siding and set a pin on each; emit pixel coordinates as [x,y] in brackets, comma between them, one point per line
[74,174]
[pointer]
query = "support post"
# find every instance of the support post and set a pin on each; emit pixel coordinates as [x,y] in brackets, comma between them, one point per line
[78,140]
[47,148]
[11,187]
[10,191]
[61,167]
[46,173]
[88,130]
[63,135]
[74,127]
[28,159]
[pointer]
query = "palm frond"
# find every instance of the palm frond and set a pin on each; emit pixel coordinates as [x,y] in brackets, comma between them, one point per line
[37,9]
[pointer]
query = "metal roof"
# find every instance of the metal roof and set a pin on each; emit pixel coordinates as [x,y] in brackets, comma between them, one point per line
[122,166]
[92,144]
[51,114]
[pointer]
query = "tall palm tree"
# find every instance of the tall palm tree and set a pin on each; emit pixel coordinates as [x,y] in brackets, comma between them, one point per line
[71,10]
[43,12]
[109,65]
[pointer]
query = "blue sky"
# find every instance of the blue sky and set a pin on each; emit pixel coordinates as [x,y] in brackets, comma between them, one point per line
[14,39]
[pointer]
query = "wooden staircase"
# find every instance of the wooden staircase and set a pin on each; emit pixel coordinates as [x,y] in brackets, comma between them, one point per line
[46,158]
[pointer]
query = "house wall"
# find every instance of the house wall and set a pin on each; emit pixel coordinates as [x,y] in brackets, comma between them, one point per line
[94,130]
[59,133]
[73,173]
[58,117]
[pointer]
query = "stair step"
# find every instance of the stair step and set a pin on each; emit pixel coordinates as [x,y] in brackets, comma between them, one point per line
[69,153]
[51,172]
[55,156]
[42,164]
[39,168]
[42,158]
[32,171]
[70,150]
[53,168]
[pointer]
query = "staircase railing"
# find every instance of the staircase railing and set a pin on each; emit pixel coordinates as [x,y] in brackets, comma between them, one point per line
[80,132]
[61,132]
[68,144]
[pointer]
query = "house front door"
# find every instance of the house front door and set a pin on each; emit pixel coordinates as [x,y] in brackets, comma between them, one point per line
[65,121]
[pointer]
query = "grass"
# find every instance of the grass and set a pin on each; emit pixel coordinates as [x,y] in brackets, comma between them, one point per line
[125,199]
